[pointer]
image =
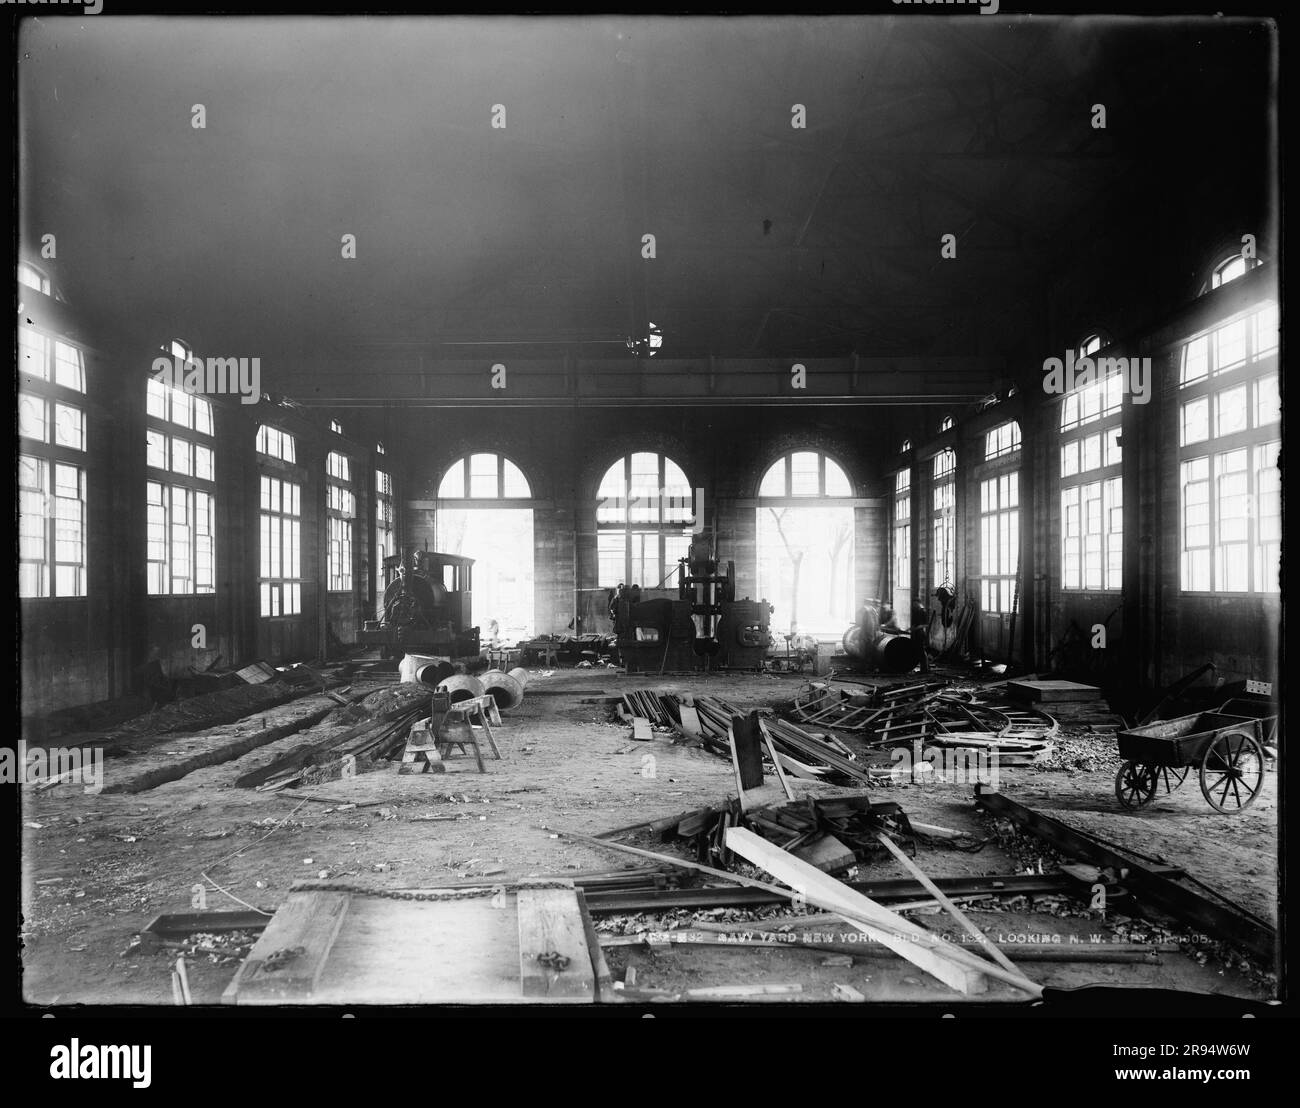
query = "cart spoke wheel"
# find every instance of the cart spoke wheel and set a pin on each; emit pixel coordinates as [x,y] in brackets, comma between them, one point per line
[1232,772]
[1173,777]
[1135,784]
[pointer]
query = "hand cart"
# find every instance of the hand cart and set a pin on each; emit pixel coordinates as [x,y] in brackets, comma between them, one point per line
[1226,750]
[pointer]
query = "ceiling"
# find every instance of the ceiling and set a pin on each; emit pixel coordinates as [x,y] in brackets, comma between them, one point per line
[770,240]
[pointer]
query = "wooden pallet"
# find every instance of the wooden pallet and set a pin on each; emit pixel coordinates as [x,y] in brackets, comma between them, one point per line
[342,947]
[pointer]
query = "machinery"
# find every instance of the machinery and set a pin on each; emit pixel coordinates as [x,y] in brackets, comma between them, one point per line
[886,649]
[704,627]
[426,607]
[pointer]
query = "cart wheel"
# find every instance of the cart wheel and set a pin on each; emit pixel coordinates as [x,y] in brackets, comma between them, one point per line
[1172,777]
[1135,784]
[1232,772]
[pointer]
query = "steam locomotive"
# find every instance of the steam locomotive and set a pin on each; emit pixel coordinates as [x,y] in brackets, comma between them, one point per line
[426,608]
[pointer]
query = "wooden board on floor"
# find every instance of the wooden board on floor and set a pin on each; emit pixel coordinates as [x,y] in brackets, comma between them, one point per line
[289,958]
[909,940]
[550,932]
[387,951]
[1049,692]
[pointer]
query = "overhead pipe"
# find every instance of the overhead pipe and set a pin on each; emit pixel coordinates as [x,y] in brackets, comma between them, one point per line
[507,689]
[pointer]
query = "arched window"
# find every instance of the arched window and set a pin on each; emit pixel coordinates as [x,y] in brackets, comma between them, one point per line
[484,477]
[181,489]
[943,520]
[644,511]
[1092,493]
[498,537]
[1090,345]
[804,473]
[907,445]
[946,424]
[806,548]
[52,430]
[1230,269]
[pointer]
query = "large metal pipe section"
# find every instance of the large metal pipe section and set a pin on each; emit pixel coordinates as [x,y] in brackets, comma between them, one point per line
[462,686]
[865,642]
[507,689]
[434,673]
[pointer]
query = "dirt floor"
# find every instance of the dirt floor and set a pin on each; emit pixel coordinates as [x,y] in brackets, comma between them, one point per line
[98,867]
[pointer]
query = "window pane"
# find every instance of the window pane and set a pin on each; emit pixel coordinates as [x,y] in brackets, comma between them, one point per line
[1195,421]
[515,483]
[1230,411]
[837,481]
[773,483]
[1268,403]
[31,417]
[68,368]
[33,353]
[453,482]
[1195,360]
[805,477]
[1230,346]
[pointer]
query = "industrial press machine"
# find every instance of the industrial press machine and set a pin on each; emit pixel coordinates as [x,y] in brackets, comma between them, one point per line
[704,627]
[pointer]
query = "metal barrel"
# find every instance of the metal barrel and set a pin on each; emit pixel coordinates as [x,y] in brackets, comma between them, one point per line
[507,689]
[462,686]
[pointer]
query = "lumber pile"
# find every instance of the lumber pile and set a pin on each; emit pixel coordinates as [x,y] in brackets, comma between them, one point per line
[342,753]
[832,834]
[1073,704]
[932,713]
[708,719]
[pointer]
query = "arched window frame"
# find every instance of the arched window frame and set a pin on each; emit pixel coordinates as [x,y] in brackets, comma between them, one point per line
[943,519]
[466,478]
[639,536]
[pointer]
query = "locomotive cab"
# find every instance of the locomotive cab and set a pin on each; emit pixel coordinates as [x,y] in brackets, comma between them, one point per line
[426,607]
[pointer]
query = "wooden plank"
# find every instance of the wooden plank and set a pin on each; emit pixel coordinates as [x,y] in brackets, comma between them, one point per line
[690,718]
[1049,692]
[923,950]
[425,952]
[550,923]
[909,934]
[288,959]
[605,991]
[800,769]
[952,909]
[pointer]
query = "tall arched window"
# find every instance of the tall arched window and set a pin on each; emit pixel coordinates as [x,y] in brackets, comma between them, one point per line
[806,548]
[943,520]
[1000,518]
[498,536]
[1229,441]
[644,513]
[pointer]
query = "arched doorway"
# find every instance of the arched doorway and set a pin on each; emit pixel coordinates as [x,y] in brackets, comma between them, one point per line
[805,545]
[484,512]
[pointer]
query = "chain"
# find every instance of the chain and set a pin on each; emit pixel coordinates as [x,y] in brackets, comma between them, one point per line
[430,894]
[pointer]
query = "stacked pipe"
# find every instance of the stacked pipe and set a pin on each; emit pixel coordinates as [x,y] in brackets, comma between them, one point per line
[507,689]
